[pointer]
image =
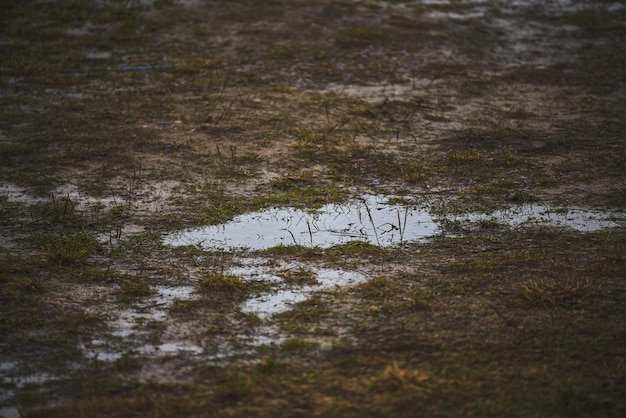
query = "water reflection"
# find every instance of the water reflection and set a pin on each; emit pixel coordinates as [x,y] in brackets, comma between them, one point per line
[371,219]
[533,214]
[282,297]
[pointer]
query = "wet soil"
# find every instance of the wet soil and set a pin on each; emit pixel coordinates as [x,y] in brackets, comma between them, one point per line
[312,208]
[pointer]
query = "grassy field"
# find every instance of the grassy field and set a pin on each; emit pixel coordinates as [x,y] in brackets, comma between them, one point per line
[125,122]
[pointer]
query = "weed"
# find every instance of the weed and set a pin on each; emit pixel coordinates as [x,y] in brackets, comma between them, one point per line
[415,173]
[569,292]
[131,288]
[497,187]
[66,249]
[416,302]
[285,184]
[251,319]
[97,382]
[300,276]
[185,306]
[460,159]
[299,346]
[234,165]
[58,210]
[307,142]
[379,288]
[220,282]
[25,284]
[521,196]
[395,378]
[358,36]
[281,53]
[282,249]
[359,251]
[308,311]
[234,386]
[128,363]
[270,365]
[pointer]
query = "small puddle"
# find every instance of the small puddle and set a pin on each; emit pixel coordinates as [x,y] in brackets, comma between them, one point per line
[16,382]
[128,327]
[283,296]
[131,327]
[528,215]
[16,194]
[154,309]
[377,93]
[9,412]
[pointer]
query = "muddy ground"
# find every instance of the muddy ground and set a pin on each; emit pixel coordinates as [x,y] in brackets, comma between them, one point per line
[126,123]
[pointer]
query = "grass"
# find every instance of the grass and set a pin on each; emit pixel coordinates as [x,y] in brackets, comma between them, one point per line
[395,378]
[305,312]
[270,105]
[133,288]
[67,249]
[359,36]
[219,282]
[57,210]
[299,346]
[299,276]
[563,292]
[234,386]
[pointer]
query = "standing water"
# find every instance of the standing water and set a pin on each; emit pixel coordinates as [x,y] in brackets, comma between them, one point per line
[371,219]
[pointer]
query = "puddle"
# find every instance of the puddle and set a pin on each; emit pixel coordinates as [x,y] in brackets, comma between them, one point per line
[471,14]
[153,309]
[152,199]
[374,219]
[370,219]
[377,93]
[284,296]
[17,382]
[9,412]
[172,348]
[16,194]
[576,219]
[275,302]
[132,326]
[129,323]
[551,7]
